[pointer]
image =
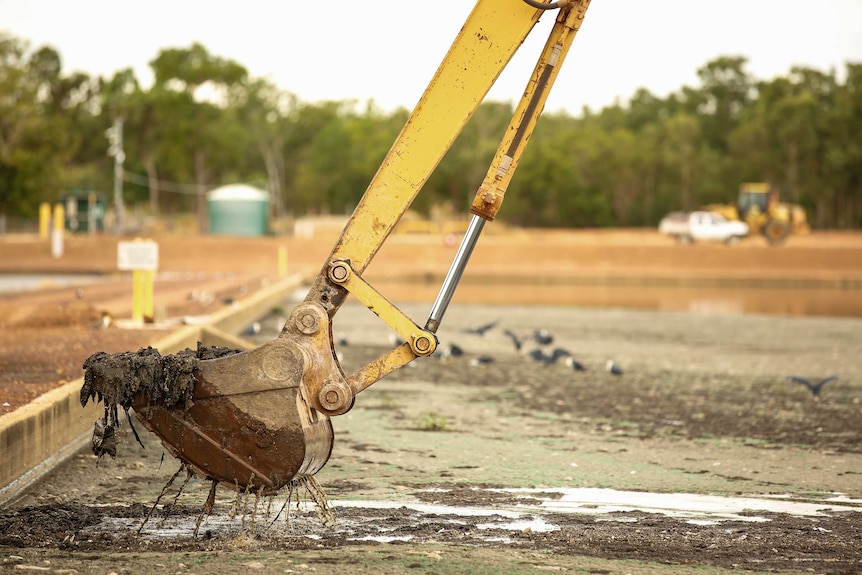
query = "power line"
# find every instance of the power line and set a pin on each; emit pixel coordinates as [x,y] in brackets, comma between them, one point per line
[173,187]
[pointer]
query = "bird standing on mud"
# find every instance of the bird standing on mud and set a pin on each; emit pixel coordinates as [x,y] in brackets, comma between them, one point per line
[574,364]
[613,368]
[543,337]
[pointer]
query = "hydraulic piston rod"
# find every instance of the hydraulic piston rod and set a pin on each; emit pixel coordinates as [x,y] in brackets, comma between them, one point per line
[455,271]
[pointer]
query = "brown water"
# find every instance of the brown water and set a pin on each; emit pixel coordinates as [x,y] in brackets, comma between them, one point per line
[706,300]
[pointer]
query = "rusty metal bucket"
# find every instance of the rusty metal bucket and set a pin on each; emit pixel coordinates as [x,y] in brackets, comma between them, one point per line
[249,424]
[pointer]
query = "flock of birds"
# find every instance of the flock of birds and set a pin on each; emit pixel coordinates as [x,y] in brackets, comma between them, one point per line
[536,346]
[540,337]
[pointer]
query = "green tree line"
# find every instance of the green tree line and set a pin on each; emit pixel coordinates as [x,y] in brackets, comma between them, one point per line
[206,122]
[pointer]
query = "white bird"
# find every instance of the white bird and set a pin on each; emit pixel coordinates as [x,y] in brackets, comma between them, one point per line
[104,321]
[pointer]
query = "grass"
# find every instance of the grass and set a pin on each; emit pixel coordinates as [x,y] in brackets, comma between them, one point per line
[430,421]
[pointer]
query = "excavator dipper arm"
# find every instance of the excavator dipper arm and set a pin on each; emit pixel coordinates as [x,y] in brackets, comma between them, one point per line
[260,418]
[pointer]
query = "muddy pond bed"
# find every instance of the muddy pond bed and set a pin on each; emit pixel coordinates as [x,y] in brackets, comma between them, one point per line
[701,455]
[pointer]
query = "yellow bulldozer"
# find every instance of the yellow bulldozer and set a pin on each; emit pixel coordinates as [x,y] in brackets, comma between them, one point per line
[760,207]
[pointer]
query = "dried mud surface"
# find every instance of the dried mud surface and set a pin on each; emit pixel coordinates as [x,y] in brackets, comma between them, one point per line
[695,392]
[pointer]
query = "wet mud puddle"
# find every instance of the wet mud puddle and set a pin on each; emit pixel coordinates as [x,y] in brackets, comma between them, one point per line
[511,510]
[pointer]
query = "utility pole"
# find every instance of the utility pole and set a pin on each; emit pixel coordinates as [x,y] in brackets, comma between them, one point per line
[115,139]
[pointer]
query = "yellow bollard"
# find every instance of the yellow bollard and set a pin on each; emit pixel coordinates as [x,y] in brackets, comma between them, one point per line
[137,296]
[282,261]
[59,218]
[149,314]
[57,232]
[141,257]
[44,220]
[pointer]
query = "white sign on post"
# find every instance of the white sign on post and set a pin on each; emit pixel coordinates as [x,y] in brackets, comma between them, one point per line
[140,255]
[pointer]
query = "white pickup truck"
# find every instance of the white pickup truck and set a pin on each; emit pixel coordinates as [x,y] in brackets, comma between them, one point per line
[688,227]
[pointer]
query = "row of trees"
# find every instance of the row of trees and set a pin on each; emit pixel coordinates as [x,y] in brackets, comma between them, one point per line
[205,122]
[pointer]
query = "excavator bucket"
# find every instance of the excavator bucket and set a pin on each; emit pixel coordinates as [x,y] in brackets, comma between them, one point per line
[241,418]
[249,424]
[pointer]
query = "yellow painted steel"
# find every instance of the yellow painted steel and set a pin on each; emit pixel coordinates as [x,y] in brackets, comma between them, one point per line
[44,220]
[137,296]
[380,367]
[142,295]
[488,199]
[422,342]
[149,279]
[493,32]
[418,342]
[59,218]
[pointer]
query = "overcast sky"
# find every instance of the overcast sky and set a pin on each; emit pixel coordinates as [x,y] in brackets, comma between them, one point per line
[362,49]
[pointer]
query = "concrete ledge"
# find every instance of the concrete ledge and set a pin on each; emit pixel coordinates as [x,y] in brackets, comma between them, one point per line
[37,437]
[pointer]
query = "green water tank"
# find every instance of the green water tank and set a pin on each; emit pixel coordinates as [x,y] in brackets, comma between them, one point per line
[238,210]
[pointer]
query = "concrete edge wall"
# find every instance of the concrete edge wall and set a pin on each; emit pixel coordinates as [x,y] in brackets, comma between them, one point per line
[37,437]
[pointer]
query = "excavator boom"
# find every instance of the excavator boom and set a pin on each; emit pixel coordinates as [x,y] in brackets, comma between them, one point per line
[258,419]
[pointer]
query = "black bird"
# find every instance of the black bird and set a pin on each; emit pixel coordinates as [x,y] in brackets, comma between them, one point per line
[575,364]
[548,359]
[613,368]
[481,360]
[342,340]
[814,388]
[539,355]
[542,337]
[482,329]
[516,341]
[448,351]
[558,353]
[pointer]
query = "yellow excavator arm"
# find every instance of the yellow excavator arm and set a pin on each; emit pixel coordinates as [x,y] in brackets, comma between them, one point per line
[493,32]
[257,420]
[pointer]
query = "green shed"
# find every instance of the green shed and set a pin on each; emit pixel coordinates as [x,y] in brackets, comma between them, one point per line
[239,210]
[84,211]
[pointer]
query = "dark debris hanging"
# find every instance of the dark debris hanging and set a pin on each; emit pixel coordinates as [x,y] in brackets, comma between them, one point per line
[116,379]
